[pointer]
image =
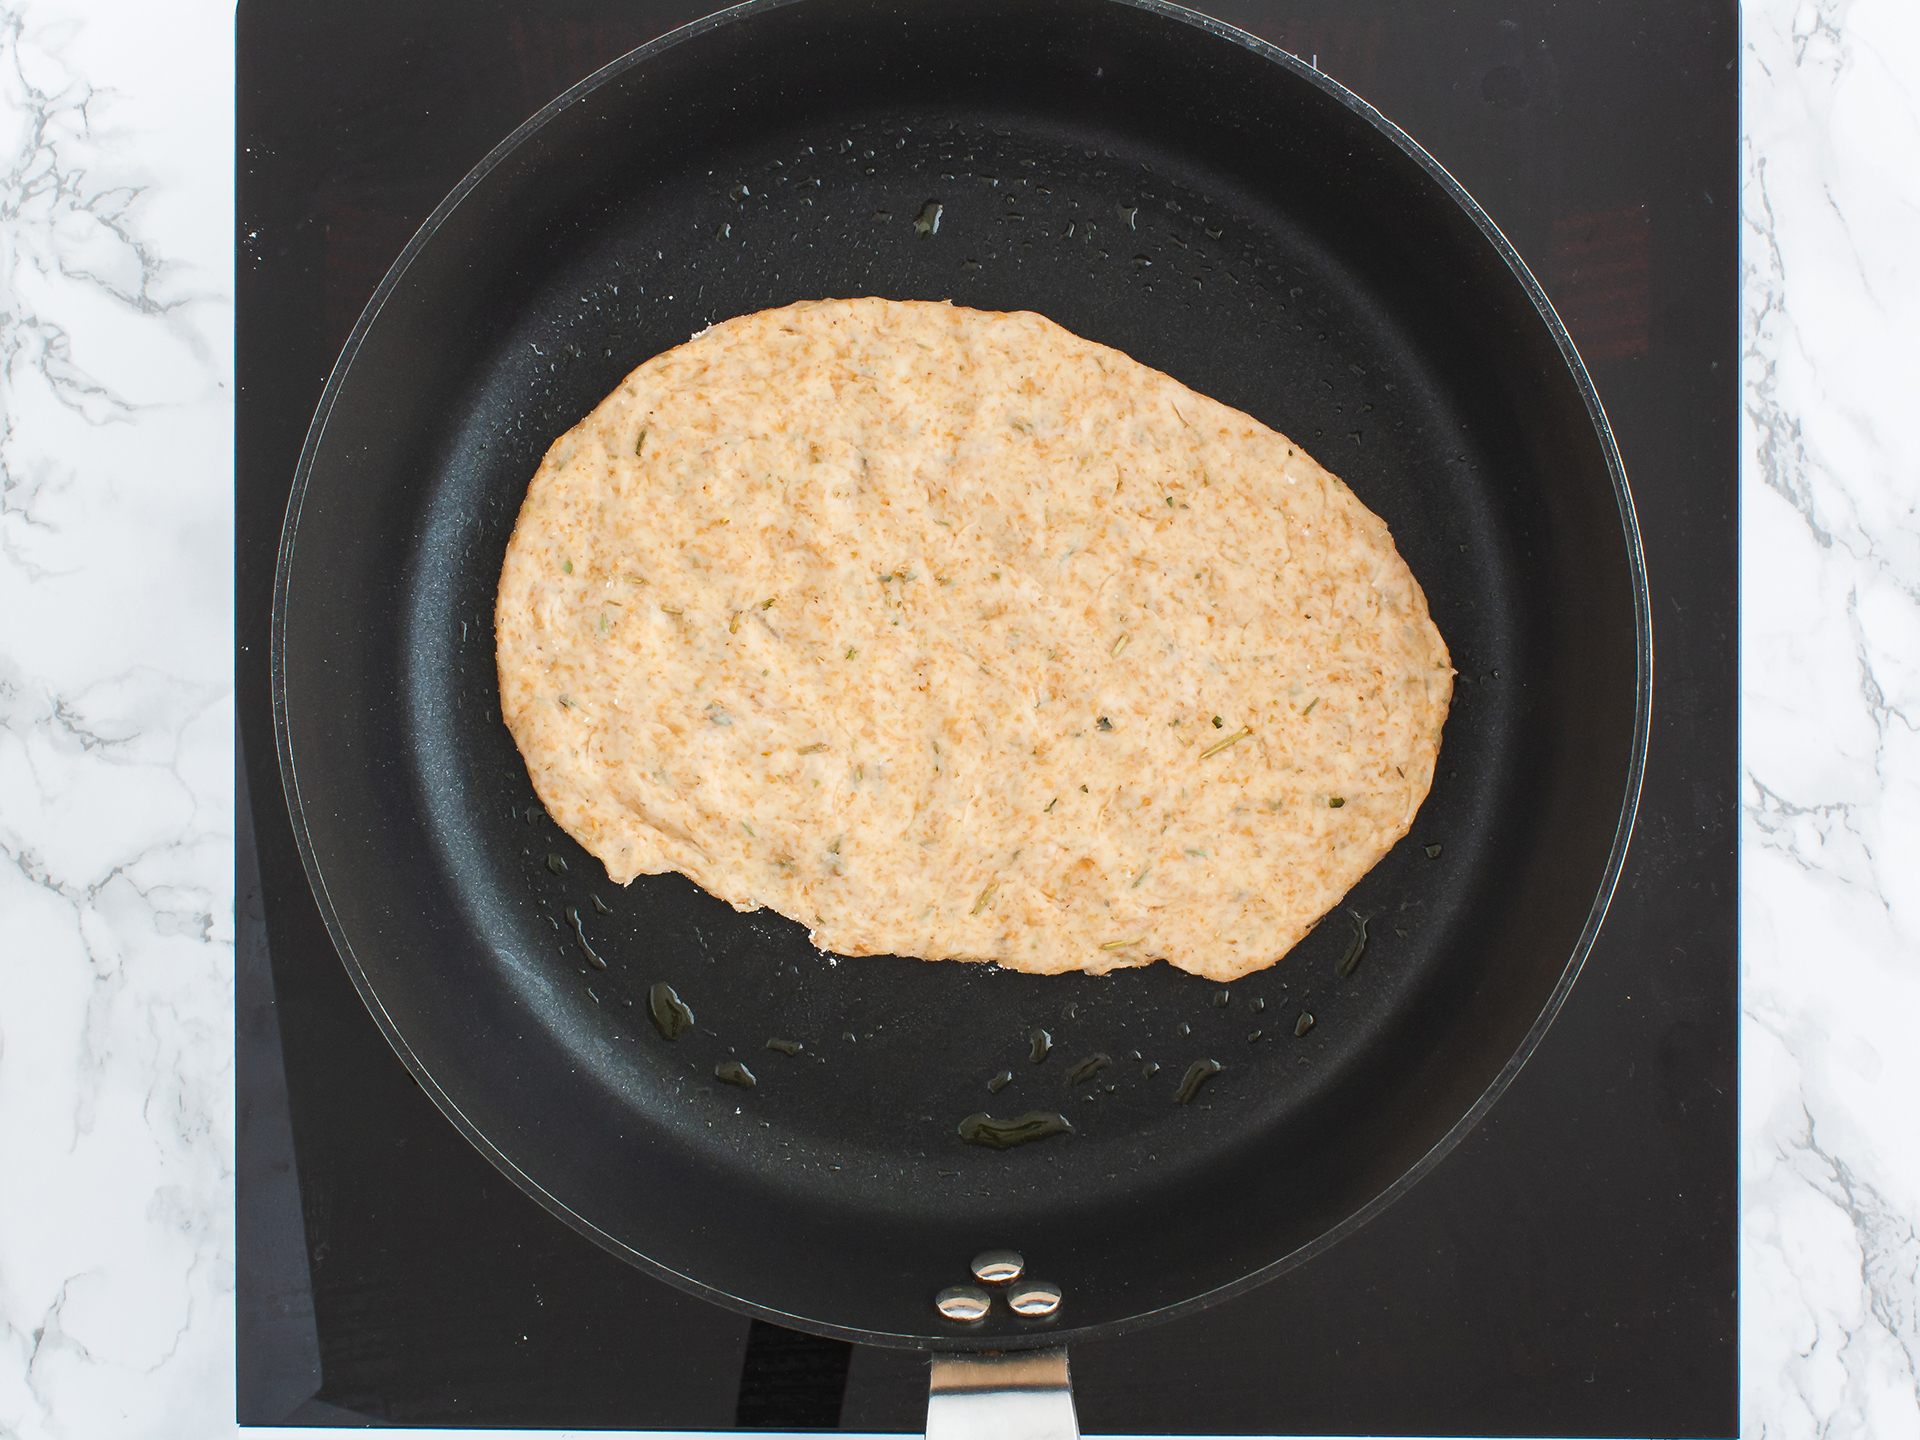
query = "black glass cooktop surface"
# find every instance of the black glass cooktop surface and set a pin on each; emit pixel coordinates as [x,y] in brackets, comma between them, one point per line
[1568,1270]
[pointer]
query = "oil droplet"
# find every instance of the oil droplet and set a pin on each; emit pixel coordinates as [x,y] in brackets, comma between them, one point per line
[1222,999]
[1303,1024]
[557,864]
[1152,1067]
[1254,1035]
[600,907]
[1000,1081]
[1184,1030]
[1351,960]
[672,1016]
[1088,1068]
[1040,1042]
[1259,1005]
[995,1134]
[1197,1075]
[1133,1054]
[928,222]
[785,1047]
[580,935]
[1069,1011]
[1433,852]
[734,1073]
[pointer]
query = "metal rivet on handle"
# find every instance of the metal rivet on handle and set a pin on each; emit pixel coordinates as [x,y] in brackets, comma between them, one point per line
[998,1267]
[962,1302]
[1034,1298]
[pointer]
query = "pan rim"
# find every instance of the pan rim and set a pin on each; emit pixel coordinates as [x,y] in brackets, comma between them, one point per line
[445,1102]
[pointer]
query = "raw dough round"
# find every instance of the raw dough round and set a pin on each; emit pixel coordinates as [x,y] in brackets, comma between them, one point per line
[949,633]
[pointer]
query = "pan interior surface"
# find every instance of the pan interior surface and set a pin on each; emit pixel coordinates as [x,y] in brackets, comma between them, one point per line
[1147,183]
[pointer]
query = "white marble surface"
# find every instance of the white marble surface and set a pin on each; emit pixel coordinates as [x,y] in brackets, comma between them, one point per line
[116,1114]
[116,720]
[1830,868]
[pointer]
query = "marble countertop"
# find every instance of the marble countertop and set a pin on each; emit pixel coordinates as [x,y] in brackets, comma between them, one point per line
[116,719]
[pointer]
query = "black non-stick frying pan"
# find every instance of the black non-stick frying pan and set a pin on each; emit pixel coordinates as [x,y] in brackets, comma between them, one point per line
[1151,180]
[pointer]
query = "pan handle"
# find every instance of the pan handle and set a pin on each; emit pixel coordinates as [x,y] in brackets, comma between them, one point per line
[1015,1395]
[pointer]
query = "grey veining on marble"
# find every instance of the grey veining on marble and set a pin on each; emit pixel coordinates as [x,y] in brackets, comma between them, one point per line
[116,891]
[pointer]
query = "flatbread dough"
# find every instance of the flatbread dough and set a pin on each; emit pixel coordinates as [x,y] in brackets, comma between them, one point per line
[949,633]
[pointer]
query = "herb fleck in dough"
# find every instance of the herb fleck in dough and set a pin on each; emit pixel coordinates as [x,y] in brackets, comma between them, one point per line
[948,633]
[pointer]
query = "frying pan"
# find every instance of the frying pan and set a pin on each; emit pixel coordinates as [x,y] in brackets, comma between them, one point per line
[1154,181]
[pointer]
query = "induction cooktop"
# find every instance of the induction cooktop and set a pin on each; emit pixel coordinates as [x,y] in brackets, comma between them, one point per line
[1569,1270]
